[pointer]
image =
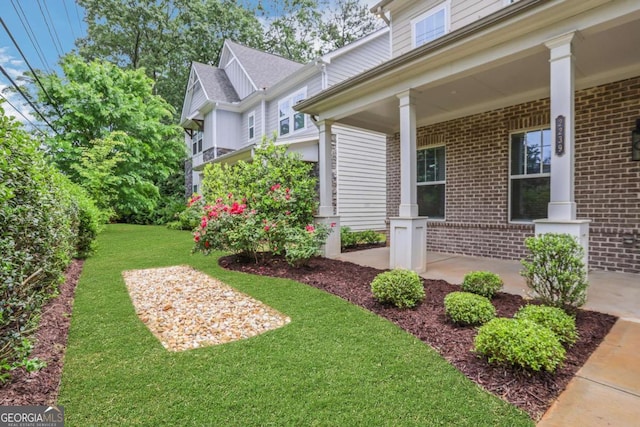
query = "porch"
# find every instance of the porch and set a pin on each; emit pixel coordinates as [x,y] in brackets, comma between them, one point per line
[613,293]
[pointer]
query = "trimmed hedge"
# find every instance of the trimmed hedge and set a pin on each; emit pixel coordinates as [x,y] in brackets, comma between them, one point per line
[466,308]
[520,343]
[483,283]
[46,220]
[562,324]
[402,288]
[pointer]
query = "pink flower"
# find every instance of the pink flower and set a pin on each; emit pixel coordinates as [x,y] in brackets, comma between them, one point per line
[203,223]
[310,228]
[287,213]
[333,224]
[286,190]
[196,237]
[219,200]
[207,244]
[275,187]
[287,197]
[266,228]
[230,195]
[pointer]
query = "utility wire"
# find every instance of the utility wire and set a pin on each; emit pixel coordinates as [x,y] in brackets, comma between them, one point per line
[34,41]
[26,98]
[23,116]
[48,28]
[66,11]
[35,75]
[79,20]
[53,25]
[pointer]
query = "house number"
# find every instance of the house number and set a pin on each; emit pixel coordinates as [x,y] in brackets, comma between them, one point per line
[560,135]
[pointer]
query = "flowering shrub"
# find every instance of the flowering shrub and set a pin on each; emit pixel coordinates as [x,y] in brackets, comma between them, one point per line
[189,218]
[262,207]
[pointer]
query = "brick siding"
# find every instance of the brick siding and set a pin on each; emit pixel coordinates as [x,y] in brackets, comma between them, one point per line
[607,182]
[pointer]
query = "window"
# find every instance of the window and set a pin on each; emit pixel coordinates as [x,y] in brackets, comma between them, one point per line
[195,188]
[431,182]
[289,120]
[431,25]
[196,142]
[530,174]
[252,125]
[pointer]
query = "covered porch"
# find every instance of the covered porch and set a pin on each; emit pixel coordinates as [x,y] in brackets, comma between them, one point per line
[613,293]
[514,71]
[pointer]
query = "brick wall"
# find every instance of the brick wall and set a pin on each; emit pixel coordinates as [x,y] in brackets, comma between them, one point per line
[477,155]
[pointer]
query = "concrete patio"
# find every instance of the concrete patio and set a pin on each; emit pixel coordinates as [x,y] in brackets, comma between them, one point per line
[606,390]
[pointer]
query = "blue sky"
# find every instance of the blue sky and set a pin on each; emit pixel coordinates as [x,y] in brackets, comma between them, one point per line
[55,24]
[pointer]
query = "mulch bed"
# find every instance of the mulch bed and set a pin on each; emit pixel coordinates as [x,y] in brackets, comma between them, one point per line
[533,392]
[41,387]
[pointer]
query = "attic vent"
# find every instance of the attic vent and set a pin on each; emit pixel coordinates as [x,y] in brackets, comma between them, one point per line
[431,139]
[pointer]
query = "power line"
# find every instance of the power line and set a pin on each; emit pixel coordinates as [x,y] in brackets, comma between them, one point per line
[53,25]
[48,28]
[26,98]
[23,116]
[34,41]
[35,75]
[66,11]
[78,16]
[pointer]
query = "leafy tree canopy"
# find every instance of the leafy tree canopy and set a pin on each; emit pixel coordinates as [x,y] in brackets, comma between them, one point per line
[112,125]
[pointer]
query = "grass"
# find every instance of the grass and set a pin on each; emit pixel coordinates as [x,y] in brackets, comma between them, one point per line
[334,364]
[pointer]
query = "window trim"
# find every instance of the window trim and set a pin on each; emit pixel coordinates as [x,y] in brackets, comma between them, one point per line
[249,126]
[292,114]
[444,6]
[197,143]
[420,184]
[510,177]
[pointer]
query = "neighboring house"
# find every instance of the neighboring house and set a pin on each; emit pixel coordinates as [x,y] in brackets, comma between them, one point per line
[504,120]
[251,94]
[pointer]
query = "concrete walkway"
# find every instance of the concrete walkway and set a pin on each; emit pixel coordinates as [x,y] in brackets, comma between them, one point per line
[606,390]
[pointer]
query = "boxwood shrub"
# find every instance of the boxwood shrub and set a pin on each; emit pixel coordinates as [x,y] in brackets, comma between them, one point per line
[402,288]
[466,308]
[521,343]
[483,283]
[561,323]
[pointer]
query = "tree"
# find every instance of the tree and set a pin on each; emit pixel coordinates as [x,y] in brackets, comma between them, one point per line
[164,36]
[111,115]
[344,22]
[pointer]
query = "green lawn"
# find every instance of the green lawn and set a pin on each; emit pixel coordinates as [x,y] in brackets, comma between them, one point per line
[334,364]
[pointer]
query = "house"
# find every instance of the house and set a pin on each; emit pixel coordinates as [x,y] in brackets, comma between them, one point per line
[229,109]
[504,119]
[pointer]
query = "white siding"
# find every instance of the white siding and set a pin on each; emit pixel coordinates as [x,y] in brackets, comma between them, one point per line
[197,98]
[244,134]
[359,59]
[462,12]
[228,132]
[361,178]
[239,79]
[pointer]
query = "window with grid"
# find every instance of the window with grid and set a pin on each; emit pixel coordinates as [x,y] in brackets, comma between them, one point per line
[252,125]
[289,120]
[431,183]
[530,174]
[196,142]
[431,25]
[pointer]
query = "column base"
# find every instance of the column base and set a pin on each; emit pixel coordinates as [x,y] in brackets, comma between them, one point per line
[331,248]
[408,243]
[579,228]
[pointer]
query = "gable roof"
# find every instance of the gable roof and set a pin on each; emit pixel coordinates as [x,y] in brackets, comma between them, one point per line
[264,69]
[215,83]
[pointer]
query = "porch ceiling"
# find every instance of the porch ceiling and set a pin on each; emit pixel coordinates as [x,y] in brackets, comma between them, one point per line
[603,54]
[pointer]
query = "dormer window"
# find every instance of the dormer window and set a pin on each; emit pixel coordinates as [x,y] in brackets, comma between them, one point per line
[289,120]
[431,25]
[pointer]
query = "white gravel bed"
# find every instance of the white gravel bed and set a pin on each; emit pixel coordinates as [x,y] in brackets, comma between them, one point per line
[186,309]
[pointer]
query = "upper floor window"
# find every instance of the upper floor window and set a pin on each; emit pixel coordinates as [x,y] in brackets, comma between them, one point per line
[251,123]
[530,174]
[196,142]
[290,121]
[431,25]
[431,182]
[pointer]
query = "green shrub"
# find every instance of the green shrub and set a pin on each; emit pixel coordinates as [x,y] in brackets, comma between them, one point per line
[466,308]
[189,218]
[562,324]
[370,237]
[402,288]
[348,238]
[483,283]
[555,270]
[521,343]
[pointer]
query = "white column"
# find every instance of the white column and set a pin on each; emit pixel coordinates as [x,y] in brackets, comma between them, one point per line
[408,232]
[562,206]
[326,211]
[324,164]
[408,174]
